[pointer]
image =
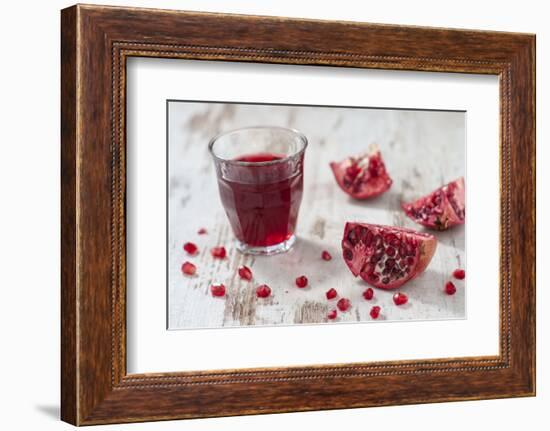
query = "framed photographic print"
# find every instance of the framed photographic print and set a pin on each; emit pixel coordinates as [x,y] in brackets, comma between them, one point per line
[278,206]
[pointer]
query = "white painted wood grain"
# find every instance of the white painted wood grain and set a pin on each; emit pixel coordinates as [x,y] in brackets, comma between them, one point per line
[422,151]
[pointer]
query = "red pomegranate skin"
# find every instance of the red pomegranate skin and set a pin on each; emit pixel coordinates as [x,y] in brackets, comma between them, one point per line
[441,209]
[386,256]
[363,176]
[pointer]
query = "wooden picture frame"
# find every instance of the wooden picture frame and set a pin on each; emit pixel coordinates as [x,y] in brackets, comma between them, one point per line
[95,43]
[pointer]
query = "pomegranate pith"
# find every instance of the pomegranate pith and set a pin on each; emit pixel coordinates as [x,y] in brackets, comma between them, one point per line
[217,290]
[326,255]
[450,288]
[375,312]
[400,298]
[332,314]
[301,281]
[218,252]
[343,304]
[245,273]
[188,268]
[363,176]
[263,291]
[386,256]
[441,209]
[459,274]
[190,248]
[331,293]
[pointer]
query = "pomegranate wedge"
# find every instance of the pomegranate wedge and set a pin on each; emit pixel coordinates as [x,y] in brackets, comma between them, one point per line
[441,209]
[363,176]
[386,256]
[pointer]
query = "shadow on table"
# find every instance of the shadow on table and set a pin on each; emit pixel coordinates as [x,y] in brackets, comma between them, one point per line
[450,237]
[50,410]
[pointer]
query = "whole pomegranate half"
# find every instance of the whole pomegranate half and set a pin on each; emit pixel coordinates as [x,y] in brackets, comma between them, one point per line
[441,209]
[362,176]
[386,256]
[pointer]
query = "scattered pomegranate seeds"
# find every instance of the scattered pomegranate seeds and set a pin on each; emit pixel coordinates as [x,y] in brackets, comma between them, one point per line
[190,248]
[245,273]
[202,231]
[263,291]
[217,290]
[368,294]
[326,255]
[450,288]
[301,281]
[343,304]
[400,298]
[331,294]
[375,312]
[188,268]
[218,252]
[332,314]
[459,274]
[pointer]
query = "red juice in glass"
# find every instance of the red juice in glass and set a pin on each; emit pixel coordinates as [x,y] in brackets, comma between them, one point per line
[260,178]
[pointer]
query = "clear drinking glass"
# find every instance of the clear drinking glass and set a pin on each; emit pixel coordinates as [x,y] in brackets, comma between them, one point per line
[260,177]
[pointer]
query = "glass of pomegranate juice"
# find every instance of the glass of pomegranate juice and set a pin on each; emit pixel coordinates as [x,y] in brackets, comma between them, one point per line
[260,177]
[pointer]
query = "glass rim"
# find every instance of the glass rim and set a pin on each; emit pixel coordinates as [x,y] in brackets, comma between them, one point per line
[292,131]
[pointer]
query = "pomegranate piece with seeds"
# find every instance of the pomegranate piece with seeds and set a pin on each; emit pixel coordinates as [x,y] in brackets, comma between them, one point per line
[190,248]
[450,288]
[332,314]
[343,304]
[217,290]
[368,294]
[441,209]
[218,252]
[400,298]
[331,293]
[459,274]
[375,312]
[301,281]
[263,291]
[188,268]
[363,176]
[386,256]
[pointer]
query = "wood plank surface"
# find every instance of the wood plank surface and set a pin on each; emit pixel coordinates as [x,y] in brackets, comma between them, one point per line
[422,150]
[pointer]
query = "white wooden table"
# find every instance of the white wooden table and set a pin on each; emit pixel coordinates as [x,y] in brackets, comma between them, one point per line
[422,151]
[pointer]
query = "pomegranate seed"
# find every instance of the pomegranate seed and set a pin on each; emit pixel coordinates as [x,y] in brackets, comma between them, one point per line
[202,231]
[217,290]
[332,314]
[190,248]
[400,298]
[450,288]
[343,304]
[348,254]
[459,274]
[218,252]
[301,281]
[326,255]
[368,294]
[263,291]
[245,273]
[375,312]
[331,293]
[188,268]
